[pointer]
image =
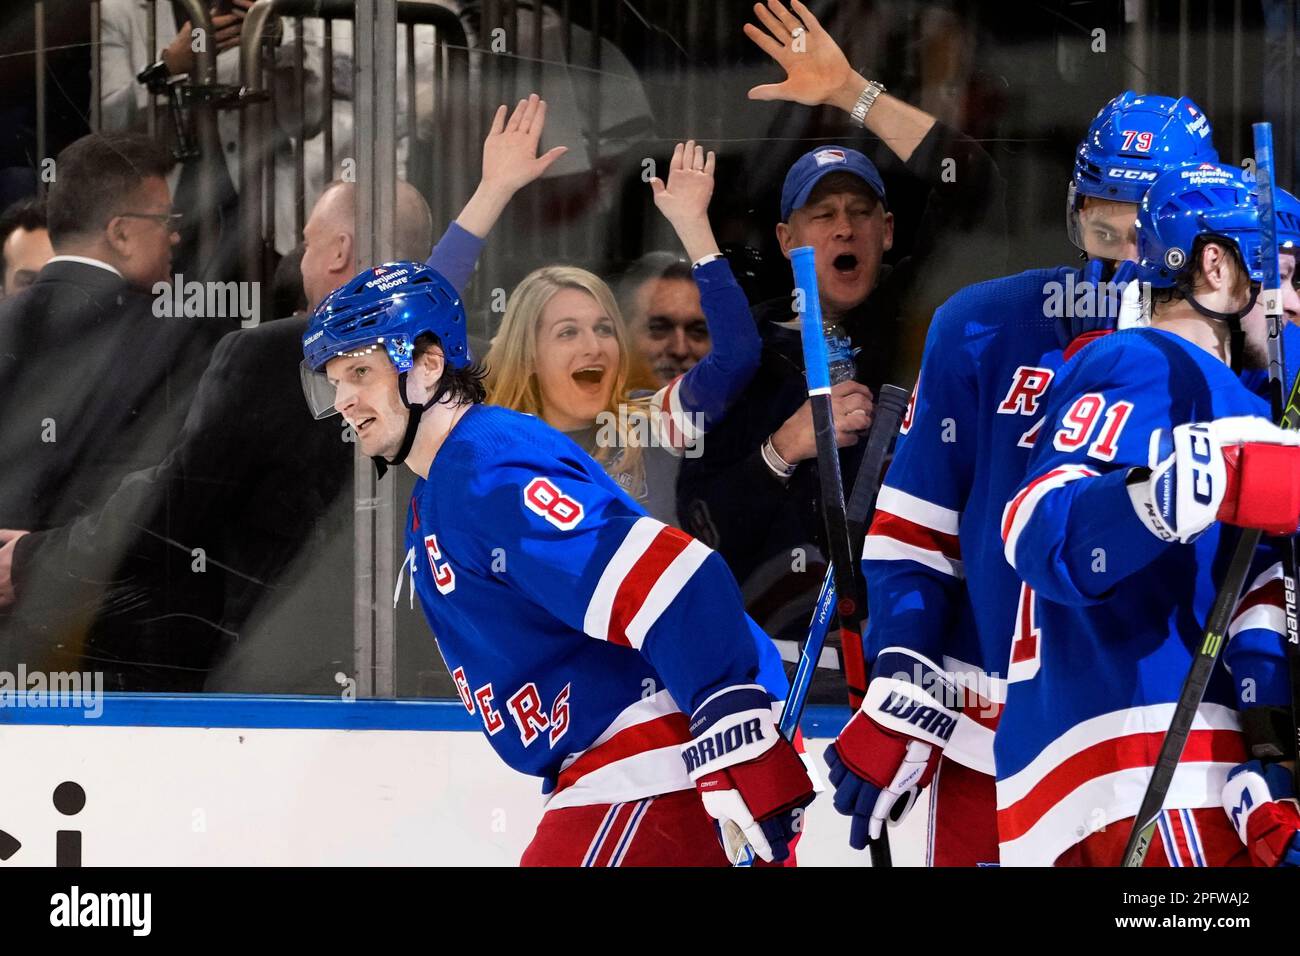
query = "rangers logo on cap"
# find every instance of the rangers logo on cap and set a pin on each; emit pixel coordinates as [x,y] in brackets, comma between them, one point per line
[825,157]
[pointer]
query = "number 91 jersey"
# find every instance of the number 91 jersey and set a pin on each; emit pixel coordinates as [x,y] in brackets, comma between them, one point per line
[1109,613]
[575,627]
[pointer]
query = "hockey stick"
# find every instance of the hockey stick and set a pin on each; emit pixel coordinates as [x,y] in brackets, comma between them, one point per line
[1225,601]
[838,546]
[1271,298]
[862,505]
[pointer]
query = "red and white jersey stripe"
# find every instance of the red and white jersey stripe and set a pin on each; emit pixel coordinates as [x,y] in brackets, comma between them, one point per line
[982,698]
[1020,508]
[651,566]
[638,755]
[1096,772]
[673,426]
[908,528]
[1262,606]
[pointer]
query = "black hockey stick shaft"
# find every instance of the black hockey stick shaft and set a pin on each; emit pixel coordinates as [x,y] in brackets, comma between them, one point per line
[839,550]
[862,503]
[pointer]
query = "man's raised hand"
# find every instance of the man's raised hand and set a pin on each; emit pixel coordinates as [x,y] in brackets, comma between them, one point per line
[816,69]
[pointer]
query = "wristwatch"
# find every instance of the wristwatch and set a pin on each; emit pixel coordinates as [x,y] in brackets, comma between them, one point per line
[866,100]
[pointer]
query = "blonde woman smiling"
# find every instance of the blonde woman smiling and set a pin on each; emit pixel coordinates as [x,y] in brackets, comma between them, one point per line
[562,353]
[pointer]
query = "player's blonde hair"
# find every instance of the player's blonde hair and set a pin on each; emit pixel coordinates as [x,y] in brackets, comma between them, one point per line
[512,358]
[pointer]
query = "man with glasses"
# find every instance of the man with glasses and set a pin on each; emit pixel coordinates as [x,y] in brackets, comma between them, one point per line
[92,383]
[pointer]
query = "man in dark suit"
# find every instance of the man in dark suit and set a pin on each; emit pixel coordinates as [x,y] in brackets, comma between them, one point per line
[94,382]
[157,586]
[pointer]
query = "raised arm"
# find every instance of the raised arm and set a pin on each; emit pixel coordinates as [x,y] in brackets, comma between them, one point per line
[510,162]
[709,387]
[818,74]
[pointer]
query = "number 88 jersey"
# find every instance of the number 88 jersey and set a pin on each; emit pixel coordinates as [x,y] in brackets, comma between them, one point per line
[576,628]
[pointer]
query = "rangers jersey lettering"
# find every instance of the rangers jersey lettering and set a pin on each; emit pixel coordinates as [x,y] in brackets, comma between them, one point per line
[577,628]
[989,360]
[1114,610]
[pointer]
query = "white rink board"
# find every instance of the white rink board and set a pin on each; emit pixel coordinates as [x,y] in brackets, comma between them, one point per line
[188,796]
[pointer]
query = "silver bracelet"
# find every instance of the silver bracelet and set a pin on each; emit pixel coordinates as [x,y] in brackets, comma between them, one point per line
[775,463]
[866,100]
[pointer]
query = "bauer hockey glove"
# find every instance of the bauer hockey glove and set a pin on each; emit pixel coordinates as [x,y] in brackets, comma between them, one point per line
[1261,803]
[888,751]
[1105,299]
[750,778]
[1244,471]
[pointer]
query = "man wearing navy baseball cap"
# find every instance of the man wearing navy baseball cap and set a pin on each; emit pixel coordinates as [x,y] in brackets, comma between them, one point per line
[834,200]
[753,495]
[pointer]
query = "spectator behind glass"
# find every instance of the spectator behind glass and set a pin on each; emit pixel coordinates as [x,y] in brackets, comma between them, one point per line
[666,321]
[125,102]
[93,383]
[754,495]
[24,244]
[563,353]
[288,297]
[253,480]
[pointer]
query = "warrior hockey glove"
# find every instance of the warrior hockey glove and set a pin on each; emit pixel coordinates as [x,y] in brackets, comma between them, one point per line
[1244,471]
[889,750]
[1104,301]
[1261,803]
[750,778]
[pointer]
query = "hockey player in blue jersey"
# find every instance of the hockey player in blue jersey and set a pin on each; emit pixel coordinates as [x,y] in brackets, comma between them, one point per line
[990,355]
[604,651]
[1150,444]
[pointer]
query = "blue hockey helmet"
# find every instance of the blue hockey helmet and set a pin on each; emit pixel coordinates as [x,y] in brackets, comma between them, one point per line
[390,306]
[1132,140]
[1287,209]
[1206,200]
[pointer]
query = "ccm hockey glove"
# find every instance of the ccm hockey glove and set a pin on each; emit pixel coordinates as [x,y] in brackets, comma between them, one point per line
[750,778]
[1261,803]
[1243,471]
[888,751]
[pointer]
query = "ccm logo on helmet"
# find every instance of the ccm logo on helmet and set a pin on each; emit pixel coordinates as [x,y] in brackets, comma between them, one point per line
[1137,175]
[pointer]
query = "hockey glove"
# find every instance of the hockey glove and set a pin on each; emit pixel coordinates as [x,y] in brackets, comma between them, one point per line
[1244,471]
[1114,303]
[888,751]
[750,778]
[1261,803]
